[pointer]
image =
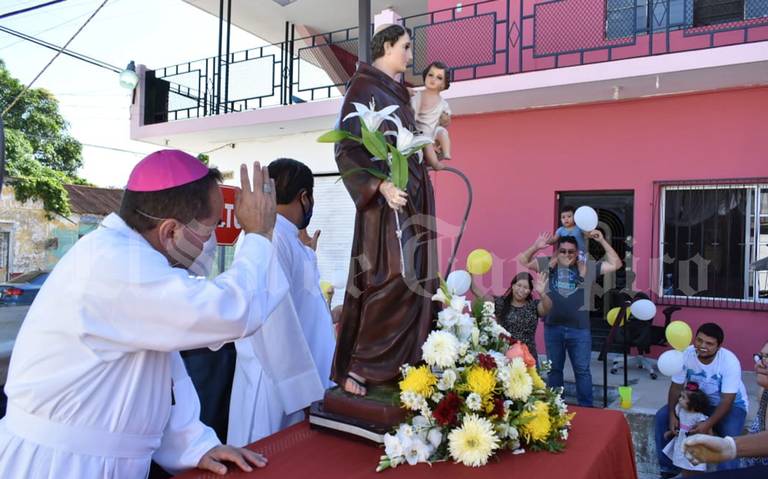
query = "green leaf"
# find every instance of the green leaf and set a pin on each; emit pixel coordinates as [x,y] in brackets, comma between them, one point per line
[335,136]
[375,144]
[399,168]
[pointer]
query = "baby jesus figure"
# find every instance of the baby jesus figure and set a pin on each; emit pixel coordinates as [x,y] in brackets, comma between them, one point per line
[433,114]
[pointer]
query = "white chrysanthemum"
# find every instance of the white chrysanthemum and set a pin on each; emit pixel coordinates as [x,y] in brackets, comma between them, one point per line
[483,339]
[469,358]
[447,380]
[473,442]
[489,308]
[412,401]
[448,318]
[518,384]
[474,402]
[441,349]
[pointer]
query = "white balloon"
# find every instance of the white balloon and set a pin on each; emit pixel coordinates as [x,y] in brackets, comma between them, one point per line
[670,362]
[458,282]
[643,309]
[585,218]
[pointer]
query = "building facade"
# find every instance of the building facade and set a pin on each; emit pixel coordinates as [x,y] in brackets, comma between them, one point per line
[650,111]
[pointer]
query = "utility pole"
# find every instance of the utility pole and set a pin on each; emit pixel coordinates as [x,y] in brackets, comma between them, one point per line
[364,31]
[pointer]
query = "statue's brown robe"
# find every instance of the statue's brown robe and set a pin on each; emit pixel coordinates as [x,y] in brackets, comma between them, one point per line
[386,318]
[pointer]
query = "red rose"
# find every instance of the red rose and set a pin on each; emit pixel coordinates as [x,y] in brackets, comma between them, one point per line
[447,410]
[486,361]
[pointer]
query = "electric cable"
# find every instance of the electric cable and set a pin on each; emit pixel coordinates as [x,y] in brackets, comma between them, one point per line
[28,86]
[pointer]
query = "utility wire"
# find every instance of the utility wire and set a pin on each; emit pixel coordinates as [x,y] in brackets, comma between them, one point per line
[26,88]
[57,48]
[29,9]
[90,145]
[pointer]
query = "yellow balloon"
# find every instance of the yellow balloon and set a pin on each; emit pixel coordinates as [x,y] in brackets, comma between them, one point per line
[679,335]
[479,261]
[614,313]
[326,287]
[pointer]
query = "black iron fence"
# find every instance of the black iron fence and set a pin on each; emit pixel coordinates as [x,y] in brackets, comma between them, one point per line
[477,40]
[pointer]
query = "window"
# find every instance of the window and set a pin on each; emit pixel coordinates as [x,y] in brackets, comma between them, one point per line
[710,235]
[626,18]
[712,12]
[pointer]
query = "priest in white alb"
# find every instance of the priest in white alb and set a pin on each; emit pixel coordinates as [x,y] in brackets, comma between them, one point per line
[96,387]
[262,403]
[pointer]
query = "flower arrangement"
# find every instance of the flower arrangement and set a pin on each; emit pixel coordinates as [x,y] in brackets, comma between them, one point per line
[477,392]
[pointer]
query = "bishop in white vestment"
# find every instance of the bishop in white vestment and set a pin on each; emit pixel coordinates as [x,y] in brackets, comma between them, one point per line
[96,388]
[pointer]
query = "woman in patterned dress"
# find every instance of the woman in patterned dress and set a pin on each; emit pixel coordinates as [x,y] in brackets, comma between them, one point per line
[518,312]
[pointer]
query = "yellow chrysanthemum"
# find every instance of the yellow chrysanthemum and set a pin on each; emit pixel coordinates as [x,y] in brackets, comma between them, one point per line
[539,426]
[538,383]
[560,421]
[419,380]
[474,442]
[481,381]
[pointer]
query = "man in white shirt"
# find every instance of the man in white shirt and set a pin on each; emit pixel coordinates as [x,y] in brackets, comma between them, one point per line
[717,372]
[258,408]
[96,387]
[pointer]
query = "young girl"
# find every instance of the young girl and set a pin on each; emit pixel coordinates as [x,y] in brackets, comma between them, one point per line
[432,113]
[690,410]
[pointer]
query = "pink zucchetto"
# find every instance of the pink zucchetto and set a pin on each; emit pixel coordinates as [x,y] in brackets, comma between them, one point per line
[165,169]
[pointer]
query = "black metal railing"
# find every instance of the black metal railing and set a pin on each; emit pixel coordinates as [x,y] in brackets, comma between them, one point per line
[478,40]
[296,70]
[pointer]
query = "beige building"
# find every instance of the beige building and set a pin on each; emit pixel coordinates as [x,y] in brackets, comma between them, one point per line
[30,241]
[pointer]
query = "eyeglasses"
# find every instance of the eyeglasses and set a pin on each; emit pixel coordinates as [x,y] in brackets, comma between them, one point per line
[567,251]
[760,357]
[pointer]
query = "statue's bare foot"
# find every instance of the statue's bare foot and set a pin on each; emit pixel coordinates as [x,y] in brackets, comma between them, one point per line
[354,385]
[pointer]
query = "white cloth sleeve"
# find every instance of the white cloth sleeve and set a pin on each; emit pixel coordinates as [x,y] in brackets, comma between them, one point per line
[164,309]
[731,371]
[185,438]
[283,352]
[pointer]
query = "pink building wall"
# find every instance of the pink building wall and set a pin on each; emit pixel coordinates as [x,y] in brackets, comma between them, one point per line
[554,32]
[518,161]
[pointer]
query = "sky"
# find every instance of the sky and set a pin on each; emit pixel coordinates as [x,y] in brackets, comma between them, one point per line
[91,100]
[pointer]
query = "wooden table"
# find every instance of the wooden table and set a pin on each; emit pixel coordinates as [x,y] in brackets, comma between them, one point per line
[599,447]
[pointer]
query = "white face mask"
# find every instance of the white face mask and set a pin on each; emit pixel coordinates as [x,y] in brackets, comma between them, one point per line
[204,262]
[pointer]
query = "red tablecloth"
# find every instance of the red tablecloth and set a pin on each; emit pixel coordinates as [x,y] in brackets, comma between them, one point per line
[599,447]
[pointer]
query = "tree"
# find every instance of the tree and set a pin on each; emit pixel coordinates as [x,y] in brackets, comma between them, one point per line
[41,155]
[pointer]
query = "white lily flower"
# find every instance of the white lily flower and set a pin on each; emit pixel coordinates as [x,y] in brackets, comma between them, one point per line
[392,447]
[406,140]
[368,114]
[458,303]
[464,327]
[440,296]
[435,437]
